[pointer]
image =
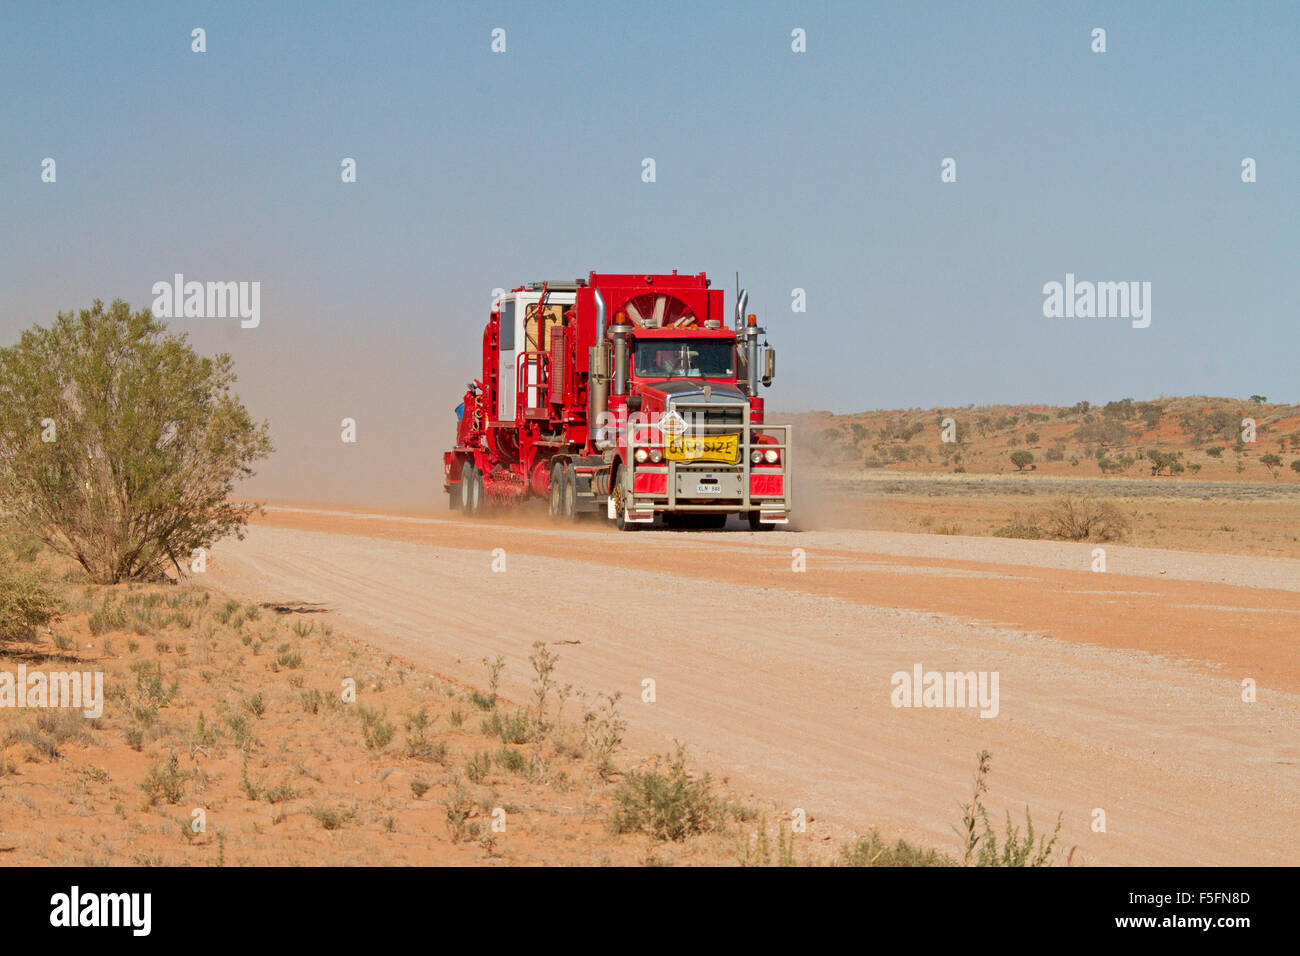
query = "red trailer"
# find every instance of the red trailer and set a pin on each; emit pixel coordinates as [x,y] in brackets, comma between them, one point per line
[629,396]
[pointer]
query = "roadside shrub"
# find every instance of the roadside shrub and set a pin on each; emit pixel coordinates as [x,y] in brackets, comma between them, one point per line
[510,760]
[1084,518]
[873,850]
[478,767]
[667,806]
[459,806]
[49,731]
[1020,526]
[418,743]
[517,728]
[26,603]
[982,848]
[332,819]
[375,728]
[119,445]
[164,781]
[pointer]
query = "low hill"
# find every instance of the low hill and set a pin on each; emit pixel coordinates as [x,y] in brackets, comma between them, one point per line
[1197,437]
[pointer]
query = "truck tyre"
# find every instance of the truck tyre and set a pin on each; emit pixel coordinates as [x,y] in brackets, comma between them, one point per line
[555,493]
[480,495]
[620,514]
[466,486]
[569,509]
[756,525]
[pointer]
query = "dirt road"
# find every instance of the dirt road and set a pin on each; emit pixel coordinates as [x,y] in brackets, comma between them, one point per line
[1119,693]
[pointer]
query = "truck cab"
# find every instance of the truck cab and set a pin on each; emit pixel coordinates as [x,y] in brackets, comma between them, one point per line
[694,448]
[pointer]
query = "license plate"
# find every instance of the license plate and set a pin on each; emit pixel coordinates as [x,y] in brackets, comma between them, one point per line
[703,489]
[724,448]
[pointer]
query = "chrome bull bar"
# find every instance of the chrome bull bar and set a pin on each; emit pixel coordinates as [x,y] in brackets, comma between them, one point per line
[772,508]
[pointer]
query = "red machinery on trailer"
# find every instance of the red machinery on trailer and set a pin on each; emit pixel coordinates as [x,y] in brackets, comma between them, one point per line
[622,395]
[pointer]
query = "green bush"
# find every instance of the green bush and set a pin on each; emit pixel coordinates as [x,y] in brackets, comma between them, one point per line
[874,851]
[667,806]
[26,603]
[119,445]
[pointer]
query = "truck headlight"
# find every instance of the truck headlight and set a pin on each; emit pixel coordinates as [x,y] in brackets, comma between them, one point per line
[756,456]
[771,456]
[641,455]
[656,456]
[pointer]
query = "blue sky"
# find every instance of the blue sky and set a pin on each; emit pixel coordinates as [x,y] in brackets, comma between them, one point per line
[817,171]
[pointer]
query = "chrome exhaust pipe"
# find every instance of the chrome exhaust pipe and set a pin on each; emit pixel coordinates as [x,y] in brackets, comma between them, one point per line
[598,378]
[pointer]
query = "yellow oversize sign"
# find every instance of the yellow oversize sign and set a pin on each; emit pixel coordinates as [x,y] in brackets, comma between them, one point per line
[704,448]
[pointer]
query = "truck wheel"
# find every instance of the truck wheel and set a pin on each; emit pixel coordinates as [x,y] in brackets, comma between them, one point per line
[555,493]
[756,525]
[466,486]
[569,506]
[620,514]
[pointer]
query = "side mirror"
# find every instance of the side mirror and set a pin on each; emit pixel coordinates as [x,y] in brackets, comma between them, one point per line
[769,366]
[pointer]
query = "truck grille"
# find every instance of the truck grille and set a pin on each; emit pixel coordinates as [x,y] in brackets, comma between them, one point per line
[717,414]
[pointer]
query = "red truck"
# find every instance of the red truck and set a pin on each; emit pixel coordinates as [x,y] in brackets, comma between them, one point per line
[629,396]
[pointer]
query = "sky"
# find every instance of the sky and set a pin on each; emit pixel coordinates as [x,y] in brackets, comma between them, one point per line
[817,170]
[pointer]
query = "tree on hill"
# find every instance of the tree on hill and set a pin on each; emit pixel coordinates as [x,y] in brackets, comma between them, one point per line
[1170,461]
[1151,413]
[1271,462]
[1022,459]
[120,446]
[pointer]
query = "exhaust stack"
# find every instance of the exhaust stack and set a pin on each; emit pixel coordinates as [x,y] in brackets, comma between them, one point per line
[621,328]
[598,379]
[742,302]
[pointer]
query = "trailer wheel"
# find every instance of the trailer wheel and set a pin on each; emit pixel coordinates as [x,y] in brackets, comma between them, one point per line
[466,487]
[569,508]
[480,501]
[756,525]
[472,482]
[555,494]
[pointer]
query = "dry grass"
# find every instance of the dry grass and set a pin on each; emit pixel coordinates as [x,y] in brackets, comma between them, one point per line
[245,718]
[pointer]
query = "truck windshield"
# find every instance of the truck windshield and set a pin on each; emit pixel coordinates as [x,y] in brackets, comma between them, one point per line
[685,358]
